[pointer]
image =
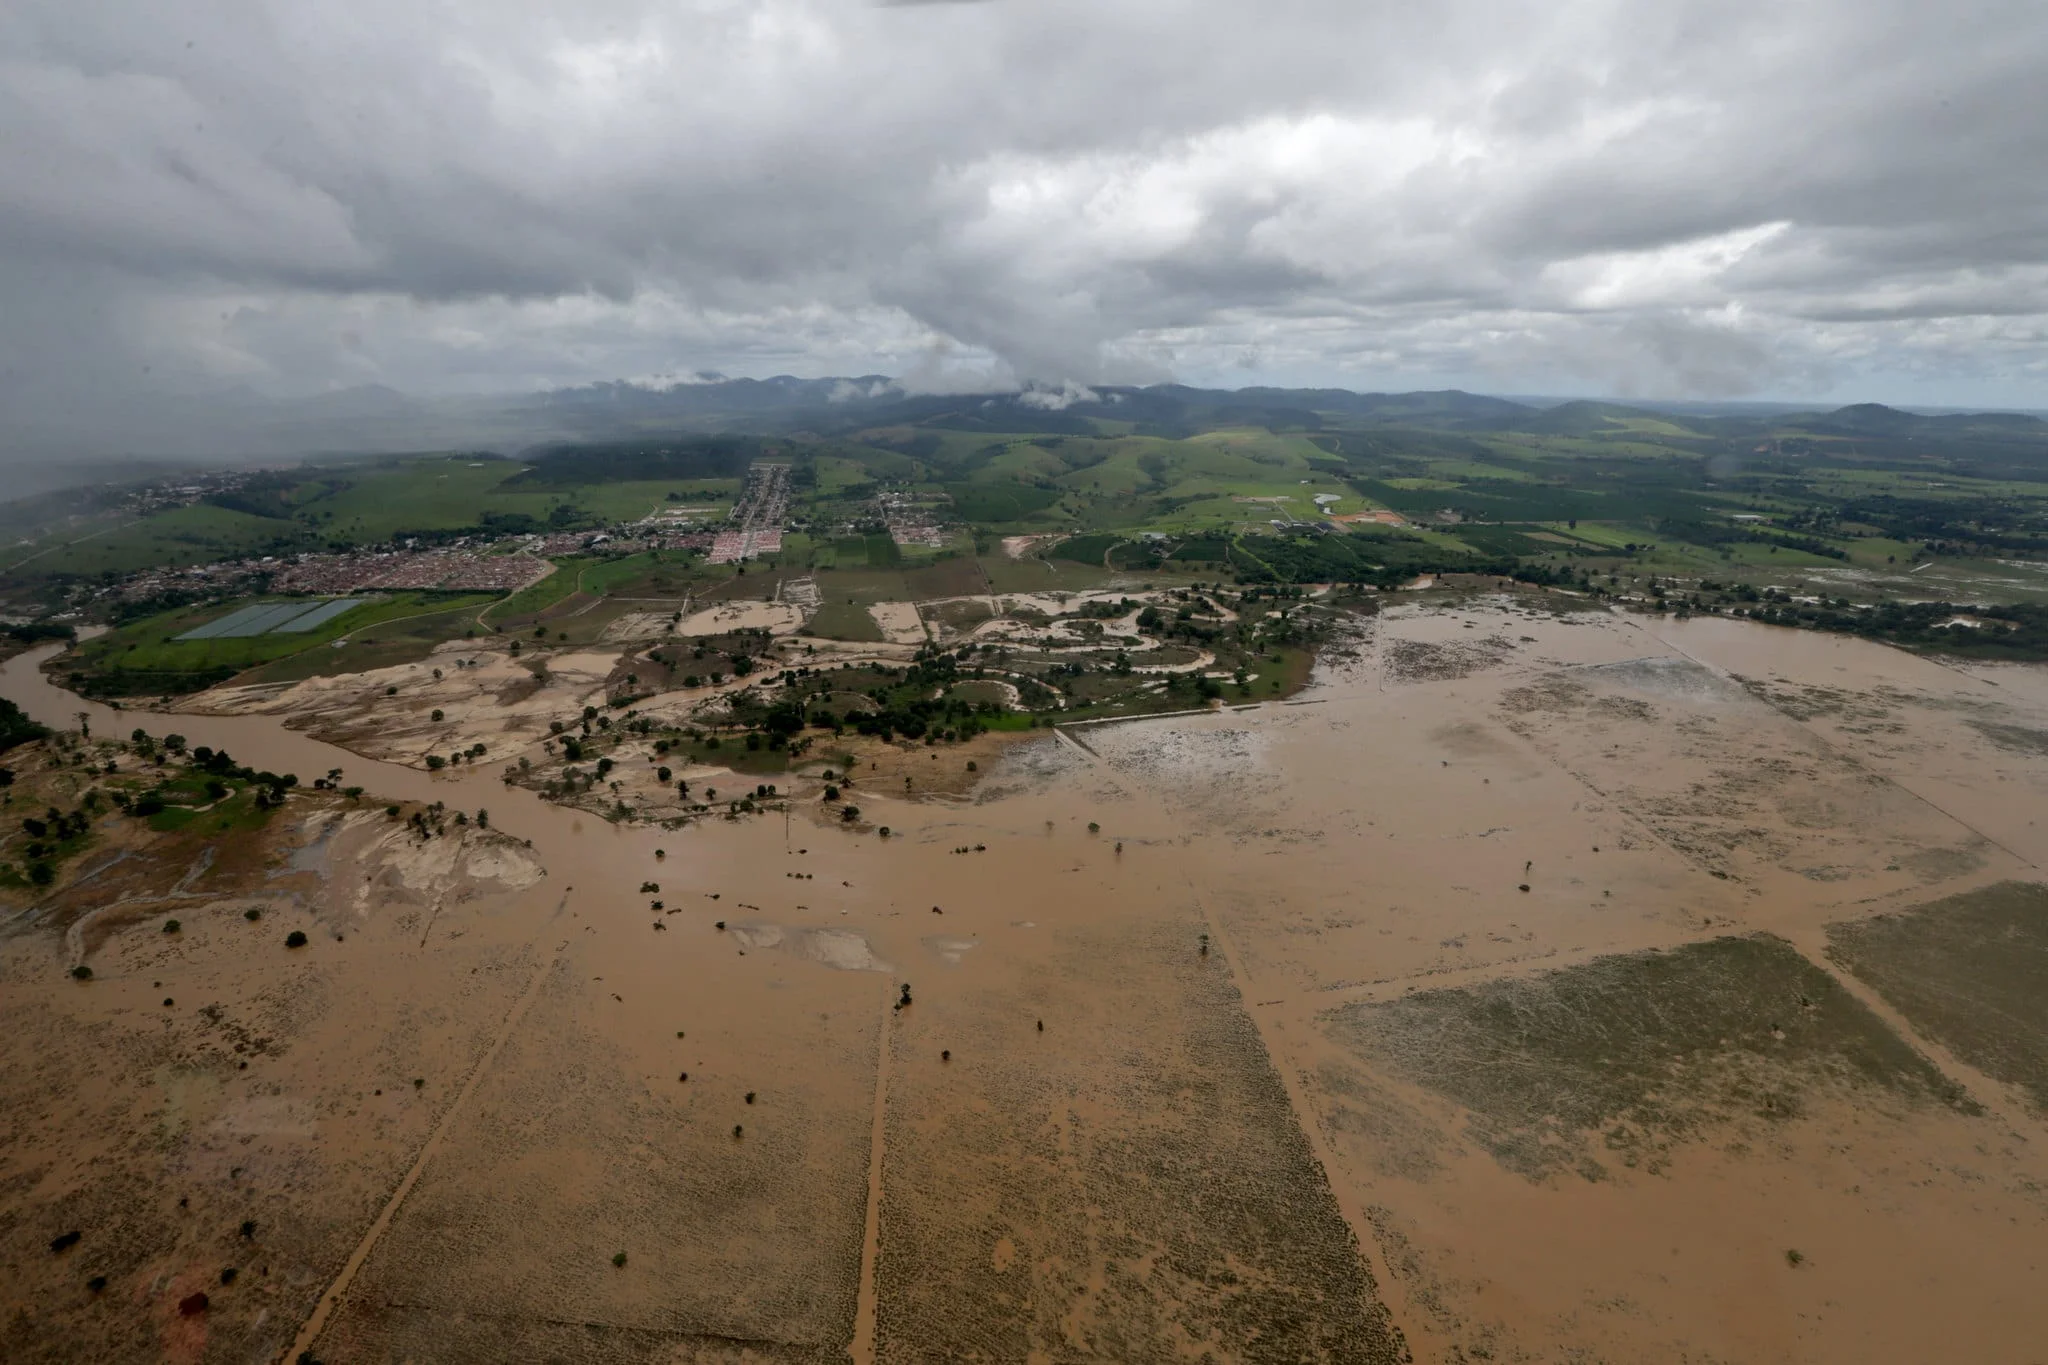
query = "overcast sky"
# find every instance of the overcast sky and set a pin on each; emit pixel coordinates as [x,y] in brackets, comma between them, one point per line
[1837,200]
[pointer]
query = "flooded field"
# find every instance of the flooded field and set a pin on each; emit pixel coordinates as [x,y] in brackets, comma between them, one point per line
[1541,984]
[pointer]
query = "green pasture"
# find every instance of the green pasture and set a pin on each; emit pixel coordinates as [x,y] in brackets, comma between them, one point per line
[149,646]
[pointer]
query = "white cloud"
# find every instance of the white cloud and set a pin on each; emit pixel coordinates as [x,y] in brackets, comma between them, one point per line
[453,195]
[1056,400]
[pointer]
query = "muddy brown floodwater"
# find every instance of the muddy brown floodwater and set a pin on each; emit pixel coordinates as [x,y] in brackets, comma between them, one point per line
[1539,985]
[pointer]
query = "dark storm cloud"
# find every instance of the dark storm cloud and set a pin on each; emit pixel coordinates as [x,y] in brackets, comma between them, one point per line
[1691,196]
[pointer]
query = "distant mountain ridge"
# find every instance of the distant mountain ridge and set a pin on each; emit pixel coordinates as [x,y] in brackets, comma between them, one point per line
[1875,419]
[878,400]
[241,424]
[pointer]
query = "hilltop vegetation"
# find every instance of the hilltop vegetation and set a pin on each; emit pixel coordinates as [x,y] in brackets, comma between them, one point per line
[1839,510]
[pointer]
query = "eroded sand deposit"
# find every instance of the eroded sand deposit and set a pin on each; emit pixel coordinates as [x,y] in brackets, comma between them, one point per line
[1538,986]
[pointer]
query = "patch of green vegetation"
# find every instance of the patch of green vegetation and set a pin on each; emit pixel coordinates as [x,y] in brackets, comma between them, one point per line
[665,460]
[999,502]
[843,620]
[2018,739]
[1033,574]
[798,551]
[531,601]
[732,752]
[1633,1054]
[863,586]
[605,577]
[146,656]
[2017,633]
[178,536]
[1088,549]
[16,728]
[171,819]
[400,640]
[436,494]
[1969,972]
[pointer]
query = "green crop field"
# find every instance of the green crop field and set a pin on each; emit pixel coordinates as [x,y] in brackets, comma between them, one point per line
[175,538]
[531,601]
[146,657]
[840,619]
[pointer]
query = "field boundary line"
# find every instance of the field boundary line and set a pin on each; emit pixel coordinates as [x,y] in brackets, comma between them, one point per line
[867,1298]
[1387,1289]
[329,1301]
[1995,1095]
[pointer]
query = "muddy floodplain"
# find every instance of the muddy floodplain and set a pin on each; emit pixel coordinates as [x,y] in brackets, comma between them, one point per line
[1541,984]
[1104,1197]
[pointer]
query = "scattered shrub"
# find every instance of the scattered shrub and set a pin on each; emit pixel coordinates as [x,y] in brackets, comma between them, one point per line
[172,926]
[295,939]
